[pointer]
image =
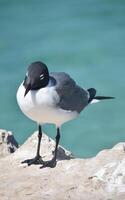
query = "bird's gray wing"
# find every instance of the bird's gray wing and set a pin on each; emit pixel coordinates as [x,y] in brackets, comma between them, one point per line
[72,97]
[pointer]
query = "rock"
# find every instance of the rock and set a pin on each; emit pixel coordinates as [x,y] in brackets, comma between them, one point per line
[98,178]
[8,144]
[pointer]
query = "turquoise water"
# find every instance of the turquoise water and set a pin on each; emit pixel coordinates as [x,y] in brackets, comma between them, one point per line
[85,38]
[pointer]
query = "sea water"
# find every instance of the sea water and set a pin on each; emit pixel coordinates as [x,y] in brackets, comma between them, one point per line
[85,38]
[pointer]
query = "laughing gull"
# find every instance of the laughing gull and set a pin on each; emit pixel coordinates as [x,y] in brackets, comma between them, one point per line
[51,98]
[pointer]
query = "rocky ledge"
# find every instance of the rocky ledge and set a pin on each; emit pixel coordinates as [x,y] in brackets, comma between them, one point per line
[99,178]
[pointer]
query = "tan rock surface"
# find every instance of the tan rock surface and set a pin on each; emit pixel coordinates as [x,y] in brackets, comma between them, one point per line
[8,144]
[98,178]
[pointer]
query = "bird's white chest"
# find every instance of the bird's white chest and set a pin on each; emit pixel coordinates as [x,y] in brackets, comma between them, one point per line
[41,106]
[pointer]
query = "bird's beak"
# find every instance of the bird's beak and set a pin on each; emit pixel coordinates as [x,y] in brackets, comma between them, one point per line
[27,89]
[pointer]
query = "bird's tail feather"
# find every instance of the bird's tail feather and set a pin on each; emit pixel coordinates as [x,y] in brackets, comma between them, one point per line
[100,98]
[95,99]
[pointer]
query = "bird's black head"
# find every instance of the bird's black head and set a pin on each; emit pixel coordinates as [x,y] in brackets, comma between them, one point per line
[36,77]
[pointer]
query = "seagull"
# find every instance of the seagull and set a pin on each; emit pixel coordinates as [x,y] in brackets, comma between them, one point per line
[52,98]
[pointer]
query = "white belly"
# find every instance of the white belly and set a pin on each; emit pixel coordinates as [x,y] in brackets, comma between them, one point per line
[40,106]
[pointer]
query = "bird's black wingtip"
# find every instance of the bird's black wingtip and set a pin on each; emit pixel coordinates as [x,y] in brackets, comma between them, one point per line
[103,97]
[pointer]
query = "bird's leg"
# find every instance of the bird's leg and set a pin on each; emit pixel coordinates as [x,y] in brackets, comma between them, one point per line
[37,159]
[39,141]
[52,163]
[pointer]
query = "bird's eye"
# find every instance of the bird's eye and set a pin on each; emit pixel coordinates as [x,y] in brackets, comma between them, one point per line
[41,77]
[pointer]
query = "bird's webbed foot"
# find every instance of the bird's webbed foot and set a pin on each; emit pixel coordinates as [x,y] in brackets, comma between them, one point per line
[37,160]
[49,163]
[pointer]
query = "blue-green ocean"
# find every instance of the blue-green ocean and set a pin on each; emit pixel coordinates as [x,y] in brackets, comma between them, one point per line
[85,38]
